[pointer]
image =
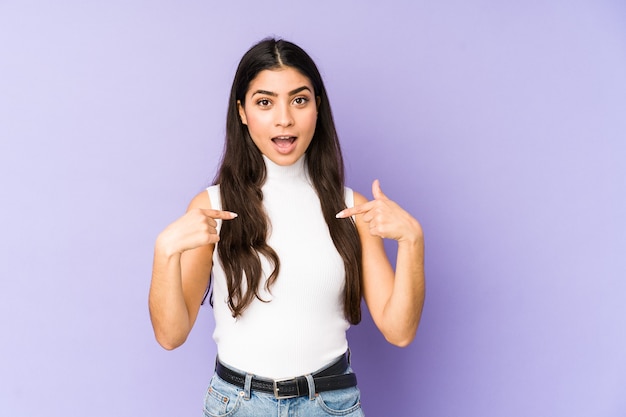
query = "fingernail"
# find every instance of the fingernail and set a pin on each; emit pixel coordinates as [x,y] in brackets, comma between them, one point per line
[233,214]
[339,215]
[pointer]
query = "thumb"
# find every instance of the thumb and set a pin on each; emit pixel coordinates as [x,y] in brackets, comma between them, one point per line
[377,192]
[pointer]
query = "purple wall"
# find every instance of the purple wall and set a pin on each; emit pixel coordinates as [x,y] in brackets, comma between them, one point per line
[502,127]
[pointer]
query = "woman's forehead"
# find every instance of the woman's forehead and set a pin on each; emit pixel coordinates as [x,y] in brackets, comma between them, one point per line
[279,81]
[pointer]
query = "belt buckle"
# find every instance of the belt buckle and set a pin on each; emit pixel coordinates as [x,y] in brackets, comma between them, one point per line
[280,396]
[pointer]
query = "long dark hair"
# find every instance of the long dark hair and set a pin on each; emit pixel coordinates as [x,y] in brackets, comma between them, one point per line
[242,174]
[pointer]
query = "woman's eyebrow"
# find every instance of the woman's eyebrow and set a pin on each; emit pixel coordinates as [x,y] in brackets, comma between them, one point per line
[271,93]
[264,92]
[297,90]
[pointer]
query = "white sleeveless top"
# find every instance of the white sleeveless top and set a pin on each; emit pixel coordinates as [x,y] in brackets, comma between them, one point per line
[302,328]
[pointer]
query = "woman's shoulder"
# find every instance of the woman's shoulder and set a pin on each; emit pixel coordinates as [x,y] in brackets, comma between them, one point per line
[353,198]
[206,199]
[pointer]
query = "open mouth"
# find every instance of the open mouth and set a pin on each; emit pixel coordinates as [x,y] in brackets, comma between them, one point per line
[284,141]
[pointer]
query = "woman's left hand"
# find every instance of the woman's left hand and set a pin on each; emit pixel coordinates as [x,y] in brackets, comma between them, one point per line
[385,218]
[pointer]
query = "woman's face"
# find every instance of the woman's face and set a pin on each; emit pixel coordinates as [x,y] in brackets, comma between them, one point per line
[281,112]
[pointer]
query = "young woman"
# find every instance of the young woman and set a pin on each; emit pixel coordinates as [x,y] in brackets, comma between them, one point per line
[291,251]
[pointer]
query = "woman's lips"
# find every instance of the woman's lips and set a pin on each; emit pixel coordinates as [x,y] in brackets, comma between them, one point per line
[284,144]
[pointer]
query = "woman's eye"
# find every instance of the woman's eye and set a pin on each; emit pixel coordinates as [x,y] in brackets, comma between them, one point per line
[300,100]
[263,102]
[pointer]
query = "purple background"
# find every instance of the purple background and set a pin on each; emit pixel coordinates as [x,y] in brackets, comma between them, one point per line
[501,125]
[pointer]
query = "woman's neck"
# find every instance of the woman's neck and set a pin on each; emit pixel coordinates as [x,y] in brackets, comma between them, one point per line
[297,169]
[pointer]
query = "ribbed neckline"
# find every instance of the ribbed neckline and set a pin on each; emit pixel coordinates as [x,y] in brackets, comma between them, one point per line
[297,169]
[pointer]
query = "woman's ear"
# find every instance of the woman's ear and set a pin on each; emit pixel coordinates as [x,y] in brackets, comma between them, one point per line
[318,100]
[242,113]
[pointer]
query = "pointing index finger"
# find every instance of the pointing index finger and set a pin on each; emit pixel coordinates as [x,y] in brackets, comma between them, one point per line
[351,211]
[219,214]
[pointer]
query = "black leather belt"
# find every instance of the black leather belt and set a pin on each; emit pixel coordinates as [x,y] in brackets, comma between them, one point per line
[328,379]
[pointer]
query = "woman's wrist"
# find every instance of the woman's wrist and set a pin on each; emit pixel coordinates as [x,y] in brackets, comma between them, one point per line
[165,247]
[413,236]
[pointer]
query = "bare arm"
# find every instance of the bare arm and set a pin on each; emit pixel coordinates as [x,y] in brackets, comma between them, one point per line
[395,299]
[181,270]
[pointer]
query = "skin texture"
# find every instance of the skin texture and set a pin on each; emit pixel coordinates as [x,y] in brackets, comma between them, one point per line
[280,104]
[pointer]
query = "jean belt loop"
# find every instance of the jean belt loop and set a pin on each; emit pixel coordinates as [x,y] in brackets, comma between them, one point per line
[247,386]
[311,382]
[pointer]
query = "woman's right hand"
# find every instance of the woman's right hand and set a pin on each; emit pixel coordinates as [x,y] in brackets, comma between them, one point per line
[197,227]
[181,270]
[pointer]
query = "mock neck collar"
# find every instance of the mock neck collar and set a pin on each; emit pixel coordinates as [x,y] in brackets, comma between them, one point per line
[297,169]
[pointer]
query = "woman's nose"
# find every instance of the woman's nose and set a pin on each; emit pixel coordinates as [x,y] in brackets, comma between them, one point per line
[283,116]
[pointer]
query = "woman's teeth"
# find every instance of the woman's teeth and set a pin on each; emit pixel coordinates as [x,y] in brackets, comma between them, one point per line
[284,140]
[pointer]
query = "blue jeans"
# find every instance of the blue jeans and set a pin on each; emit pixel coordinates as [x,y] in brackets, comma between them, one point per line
[225,400]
